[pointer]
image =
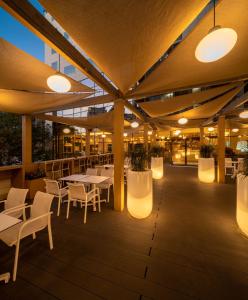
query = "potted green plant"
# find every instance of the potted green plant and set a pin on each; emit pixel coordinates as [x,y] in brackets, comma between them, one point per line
[139,184]
[157,162]
[206,168]
[242,195]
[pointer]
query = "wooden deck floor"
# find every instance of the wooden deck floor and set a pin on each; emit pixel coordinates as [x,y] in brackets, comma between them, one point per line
[189,248]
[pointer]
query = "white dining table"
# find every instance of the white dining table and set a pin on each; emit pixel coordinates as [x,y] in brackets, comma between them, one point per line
[109,166]
[90,179]
[5,223]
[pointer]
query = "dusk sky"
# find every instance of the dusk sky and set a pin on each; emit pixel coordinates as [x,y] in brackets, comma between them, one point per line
[17,34]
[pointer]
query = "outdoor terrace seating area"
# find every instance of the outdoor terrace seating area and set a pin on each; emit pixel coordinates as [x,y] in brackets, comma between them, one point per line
[123,149]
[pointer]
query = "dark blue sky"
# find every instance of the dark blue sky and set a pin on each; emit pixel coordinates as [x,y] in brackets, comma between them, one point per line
[17,34]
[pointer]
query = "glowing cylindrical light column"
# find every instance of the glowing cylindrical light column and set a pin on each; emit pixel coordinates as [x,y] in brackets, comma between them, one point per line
[206,170]
[242,203]
[139,193]
[157,167]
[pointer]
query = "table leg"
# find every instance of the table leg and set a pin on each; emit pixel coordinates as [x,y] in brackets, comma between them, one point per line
[94,199]
[5,277]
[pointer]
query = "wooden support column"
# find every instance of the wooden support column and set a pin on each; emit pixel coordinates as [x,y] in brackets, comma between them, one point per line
[87,142]
[26,146]
[118,150]
[154,137]
[201,135]
[145,136]
[221,149]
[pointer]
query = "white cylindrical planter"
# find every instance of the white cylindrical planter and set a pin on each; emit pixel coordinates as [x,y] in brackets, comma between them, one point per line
[157,167]
[206,170]
[139,193]
[242,203]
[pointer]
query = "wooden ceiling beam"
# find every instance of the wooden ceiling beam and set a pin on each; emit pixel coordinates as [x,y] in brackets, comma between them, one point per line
[29,16]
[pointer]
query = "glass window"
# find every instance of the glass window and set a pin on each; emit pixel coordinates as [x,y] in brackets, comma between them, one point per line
[53,51]
[66,35]
[54,65]
[69,69]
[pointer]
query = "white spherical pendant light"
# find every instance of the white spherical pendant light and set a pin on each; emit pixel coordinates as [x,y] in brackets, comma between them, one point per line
[58,83]
[210,129]
[235,130]
[183,121]
[218,43]
[244,114]
[134,124]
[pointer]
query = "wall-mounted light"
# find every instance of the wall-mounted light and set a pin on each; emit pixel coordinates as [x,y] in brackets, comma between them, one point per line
[58,83]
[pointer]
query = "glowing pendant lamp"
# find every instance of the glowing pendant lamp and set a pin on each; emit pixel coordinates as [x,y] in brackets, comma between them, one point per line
[216,44]
[183,121]
[58,83]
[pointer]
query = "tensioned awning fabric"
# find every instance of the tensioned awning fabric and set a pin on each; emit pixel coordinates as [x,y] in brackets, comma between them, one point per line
[125,37]
[182,70]
[206,110]
[20,102]
[21,71]
[174,124]
[170,105]
[101,121]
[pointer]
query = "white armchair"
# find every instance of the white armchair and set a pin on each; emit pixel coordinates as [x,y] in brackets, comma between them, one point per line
[53,187]
[15,204]
[77,193]
[106,185]
[40,218]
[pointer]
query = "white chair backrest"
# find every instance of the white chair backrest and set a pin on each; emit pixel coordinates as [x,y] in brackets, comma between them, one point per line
[91,171]
[15,197]
[76,191]
[107,172]
[52,186]
[41,204]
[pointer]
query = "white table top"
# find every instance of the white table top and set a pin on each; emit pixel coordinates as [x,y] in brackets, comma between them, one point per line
[7,222]
[85,178]
[112,166]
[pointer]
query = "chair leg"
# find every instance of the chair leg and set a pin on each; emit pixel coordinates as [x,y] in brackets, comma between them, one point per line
[16,260]
[68,209]
[108,194]
[50,236]
[85,212]
[99,202]
[59,203]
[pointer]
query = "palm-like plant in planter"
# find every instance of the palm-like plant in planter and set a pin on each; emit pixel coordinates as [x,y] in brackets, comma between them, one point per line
[157,163]
[242,196]
[206,169]
[139,184]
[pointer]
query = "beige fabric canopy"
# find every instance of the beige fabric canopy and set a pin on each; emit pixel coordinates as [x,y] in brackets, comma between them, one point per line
[125,37]
[181,69]
[170,105]
[206,110]
[174,124]
[21,71]
[27,102]
[101,121]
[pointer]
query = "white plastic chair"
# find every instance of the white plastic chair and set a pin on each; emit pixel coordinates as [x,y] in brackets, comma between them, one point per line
[77,193]
[15,199]
[106,185]
[40,218]
[53,187]
[91,171]
[229,166]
